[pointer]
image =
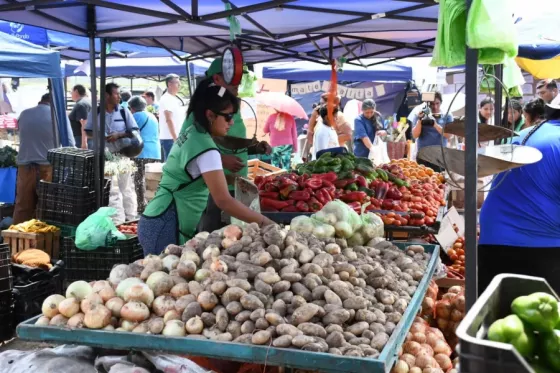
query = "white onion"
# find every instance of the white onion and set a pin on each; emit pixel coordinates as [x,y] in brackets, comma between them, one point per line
[135,311]
[139,293]
[228,242]
[125,284]
[171,315]
[210,252]
[218,266]
[190,255]
[42,321]
[107,293]
[202,274]
[50,305]
[79,290]
[69,307]
[174,328]
[97,317]
[207,300]
[179,290]
[160,283]
[90,301]
[114,305]
[109,327]
[153,260]
[194,325]
[142,328]
[119,273]
[202,235]
[58,320]
[98,285]
[128,325]
[162,304]
[170,262]
[76,321]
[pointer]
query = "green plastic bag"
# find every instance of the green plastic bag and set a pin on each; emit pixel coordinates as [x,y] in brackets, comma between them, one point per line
[450,46]
[248,87]
[98,230]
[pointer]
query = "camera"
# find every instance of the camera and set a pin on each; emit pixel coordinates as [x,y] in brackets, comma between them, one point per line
[428,119]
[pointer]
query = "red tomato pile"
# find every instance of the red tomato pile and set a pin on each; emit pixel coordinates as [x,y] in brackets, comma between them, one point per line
[128,228]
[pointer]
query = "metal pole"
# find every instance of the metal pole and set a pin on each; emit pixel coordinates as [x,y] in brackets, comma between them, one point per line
[471,174]
[102,110]
[131,86]
[499,72]
[54,117]
[99,156]
[189,79]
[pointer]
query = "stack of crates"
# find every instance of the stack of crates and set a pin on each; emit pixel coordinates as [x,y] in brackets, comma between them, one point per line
[6,296]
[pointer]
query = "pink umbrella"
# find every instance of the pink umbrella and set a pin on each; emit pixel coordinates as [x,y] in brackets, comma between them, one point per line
[282,103]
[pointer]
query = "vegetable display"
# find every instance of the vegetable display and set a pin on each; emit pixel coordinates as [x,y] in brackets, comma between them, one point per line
[450,311]
[533,329]
[266,286]
[8,157]
[128,228]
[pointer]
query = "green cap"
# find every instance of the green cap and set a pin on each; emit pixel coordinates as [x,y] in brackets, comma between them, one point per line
[215,67]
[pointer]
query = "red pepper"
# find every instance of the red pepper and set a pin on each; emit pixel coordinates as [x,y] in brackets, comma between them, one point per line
[315,205]
[327,184]
[271,187]
[356,206]
[338,193]
[268,204]
[259,181]
[394,193]
[313,183]
[354,197]
[286,190]
[301,180]
[292,176]
[381,190]
[361,181]
[302,206]
[286,182]
[341,184]
[387,204]
[271,195]
[323,196]
[329,176]
[290,209]
[299,195]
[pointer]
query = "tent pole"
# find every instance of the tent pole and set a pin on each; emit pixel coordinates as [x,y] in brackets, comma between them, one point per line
[471,174]
[54,117]
[131,85]
[498,93]
[189,78]
[94,117]
[102,109]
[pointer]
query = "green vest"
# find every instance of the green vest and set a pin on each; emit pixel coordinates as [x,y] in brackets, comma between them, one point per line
[176,185]
[238,129]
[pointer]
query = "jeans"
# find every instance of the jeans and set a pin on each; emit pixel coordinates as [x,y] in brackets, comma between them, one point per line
[156,233]
[166,146]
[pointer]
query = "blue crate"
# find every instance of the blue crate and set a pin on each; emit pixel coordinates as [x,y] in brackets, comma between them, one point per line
[289,358]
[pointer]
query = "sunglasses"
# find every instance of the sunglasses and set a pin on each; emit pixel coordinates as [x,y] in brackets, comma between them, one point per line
[227,116]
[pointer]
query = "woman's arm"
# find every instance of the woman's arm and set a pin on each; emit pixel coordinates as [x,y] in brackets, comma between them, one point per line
[294,135]
[417,129]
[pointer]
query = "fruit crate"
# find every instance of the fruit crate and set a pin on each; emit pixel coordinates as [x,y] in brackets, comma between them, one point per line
[6,281]
[71,166]
[65,204]
[476,354]
[260,168]
[49,242]
[96,264]
[6,315]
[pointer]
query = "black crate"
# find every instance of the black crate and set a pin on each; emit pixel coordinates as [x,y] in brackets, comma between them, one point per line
[476,354]
[65,204]
[6,281]
[72,166]
[97,264]
[7,325]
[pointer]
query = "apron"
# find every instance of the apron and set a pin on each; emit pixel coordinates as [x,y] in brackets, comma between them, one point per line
[189,195]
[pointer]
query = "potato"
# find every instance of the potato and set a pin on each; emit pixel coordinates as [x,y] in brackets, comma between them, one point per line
[332,298]
[355,303]
[314,330]
[289,252]
[281,286]
[193,309]
[279,306]
[274,318]
[335,351]
[312,268]
[274,251]
[365,315]
[222,320]
[291,277]
[283,341]
[234,328]
[341,289]
[302,291]
[208,318]
[337,317]
[311,281]
[262,287]
[251,302]
[218,287]
[260,296]
[243,316]
[257,314]
[287,329]
[261,259]
[286,296]
[319,292]
[270,278]
[306,255]
[298,301]
[304,313]
[234,249]
[250,269]
[261,337]
[315,347]
[195,288]
[182,302]
[335,339]
[233,308]
[333,328]
[244,338]
[239,283]
[379,341]
[233,294]
[261,324]
[323,260]
[370,352]
[333,249]
[302,340]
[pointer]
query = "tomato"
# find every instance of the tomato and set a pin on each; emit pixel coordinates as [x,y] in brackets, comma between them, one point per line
[397,223]
[416,198]
[429,220]
[388,221]
[391,215]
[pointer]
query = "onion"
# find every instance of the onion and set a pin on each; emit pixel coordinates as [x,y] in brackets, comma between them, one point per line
[174,328]
[162,304]
[192,256]
[456,315]
[202,274]
[139,293]
[419,337]
[160,283]
[182,302]
[156,325]
[109,327]
[107,293]
[186,269]
[42,321]
[50,305]
[400,367]
[194,325]
[119,273]
[89,302]
[409,359]
[227,243]
[412,348]
[176,278]
[76,321]
[79,290]
[69,307]
[459,302]
[126,284]
[114,305]
[424,361]
[431,339]
[207,300]
[135,311]
[114,320]
[202,235]
[443,309]
[211,252]
[232,232]
[58,320]
[427,349]
[98,285]
[442,323]
[179,290]
[142,328]
[218,266]
[418,328]
[97,317]
[441,347]
[128,325]
[415,370]
[171,315]
[444,361]
[170,262]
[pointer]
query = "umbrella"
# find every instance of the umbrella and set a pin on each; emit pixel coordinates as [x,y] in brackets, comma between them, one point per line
[352,109]
[282,103]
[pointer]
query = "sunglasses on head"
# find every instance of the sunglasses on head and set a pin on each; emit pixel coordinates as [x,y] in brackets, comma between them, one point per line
[227,116]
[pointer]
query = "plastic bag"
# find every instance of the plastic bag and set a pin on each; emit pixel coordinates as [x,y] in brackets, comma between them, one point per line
[306,224]
[339,215]
[248,87]
[372,226]
[378,152]
[98,230]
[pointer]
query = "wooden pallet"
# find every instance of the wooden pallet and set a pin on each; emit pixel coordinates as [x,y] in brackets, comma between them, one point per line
[260,168]
[19,241]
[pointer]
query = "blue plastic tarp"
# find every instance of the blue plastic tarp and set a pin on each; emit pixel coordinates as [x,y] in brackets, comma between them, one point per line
[309,71]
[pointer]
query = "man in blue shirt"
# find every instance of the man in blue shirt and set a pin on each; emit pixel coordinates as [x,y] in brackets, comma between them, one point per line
[366,125]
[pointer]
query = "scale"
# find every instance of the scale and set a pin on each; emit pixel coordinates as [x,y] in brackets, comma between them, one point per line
[486,132]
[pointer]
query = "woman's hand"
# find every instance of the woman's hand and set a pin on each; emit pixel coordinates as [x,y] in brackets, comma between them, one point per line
[232,163]
[381,133]
[266,221]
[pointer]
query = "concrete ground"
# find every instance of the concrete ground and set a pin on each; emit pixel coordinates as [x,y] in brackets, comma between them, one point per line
[19,344]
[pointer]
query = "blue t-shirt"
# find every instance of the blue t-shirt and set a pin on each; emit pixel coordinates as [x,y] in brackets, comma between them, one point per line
[363,127]
[524,210]
[430,136]
[149,130]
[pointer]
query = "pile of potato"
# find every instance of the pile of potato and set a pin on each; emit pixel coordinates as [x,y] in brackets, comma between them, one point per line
[272,286]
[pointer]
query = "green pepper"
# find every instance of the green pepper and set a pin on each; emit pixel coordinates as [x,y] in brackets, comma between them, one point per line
[336,168]
[347,165]
[353,187]
[364,161]
[362,168]
[539,310]
[550,349]
[367,191]
[345,175]
[320,169]
[326,155]
[382,174]
[511,330]
[334,162]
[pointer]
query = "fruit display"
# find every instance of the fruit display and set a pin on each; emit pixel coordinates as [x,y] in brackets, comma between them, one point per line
[450,311]
[414,171]
[457,255]
[533,329]
[268,286]
[424,351]
[128,228]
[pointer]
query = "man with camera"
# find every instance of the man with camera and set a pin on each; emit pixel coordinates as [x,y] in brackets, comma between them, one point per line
[428,126]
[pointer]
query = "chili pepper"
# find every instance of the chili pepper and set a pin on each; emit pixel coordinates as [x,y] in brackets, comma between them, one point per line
[381,191]
[327,184]
[356,206]
[285,182]
[314,205]
[539,310]
[268,204]
[323,196]
[512,331]
[329,176]
[550,347]
[353,187]
[398,182]
[302,206]
[353,197]
[369,192]
[271,187]
[394,193]
[290,209]
[271,195]
[382,174]
[313,183]
[285,192]
[341,184]
[299,195]
[361,181]
[330,189]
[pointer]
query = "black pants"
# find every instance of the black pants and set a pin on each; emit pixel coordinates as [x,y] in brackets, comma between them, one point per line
[430,165]
[530,261]
[212,217]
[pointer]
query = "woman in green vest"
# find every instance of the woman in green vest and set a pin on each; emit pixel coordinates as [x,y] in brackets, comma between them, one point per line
[193,171]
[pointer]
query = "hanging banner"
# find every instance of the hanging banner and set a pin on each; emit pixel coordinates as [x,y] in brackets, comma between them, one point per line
[360,94]
[368,92]
[343,91]
[326,86]
[316,86]
[351,93]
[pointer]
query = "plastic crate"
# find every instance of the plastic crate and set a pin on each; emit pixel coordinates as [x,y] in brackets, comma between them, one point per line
[97,264]
[476,354]
[65,204]
[7,325]
[6,281]
[72,166]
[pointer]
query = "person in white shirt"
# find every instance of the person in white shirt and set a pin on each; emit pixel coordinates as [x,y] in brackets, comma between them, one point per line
[171,114]
[325,136]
